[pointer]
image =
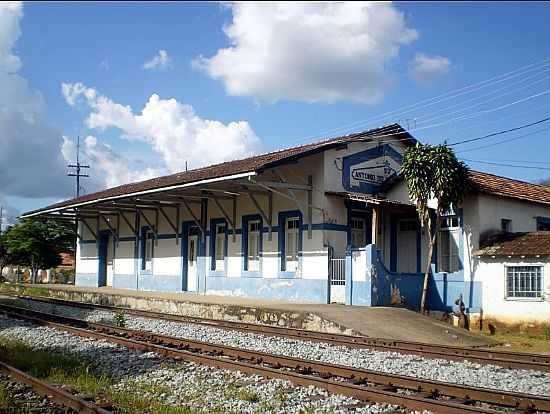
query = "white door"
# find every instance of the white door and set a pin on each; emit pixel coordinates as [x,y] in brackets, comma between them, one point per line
[110,261]
[337,276]
[192,249]
[406,246]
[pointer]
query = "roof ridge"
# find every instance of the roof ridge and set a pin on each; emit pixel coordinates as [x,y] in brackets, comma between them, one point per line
[545,187]
[265,154]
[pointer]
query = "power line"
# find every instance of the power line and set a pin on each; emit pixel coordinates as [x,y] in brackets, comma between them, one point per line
[471,101]
[533,167]
[506,131]
[390,132]
[437,99]
[522,161]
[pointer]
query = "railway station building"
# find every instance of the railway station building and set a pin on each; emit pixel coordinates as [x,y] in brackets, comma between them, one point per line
[325,222]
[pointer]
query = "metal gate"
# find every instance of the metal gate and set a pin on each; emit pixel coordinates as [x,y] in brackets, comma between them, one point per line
[337,276]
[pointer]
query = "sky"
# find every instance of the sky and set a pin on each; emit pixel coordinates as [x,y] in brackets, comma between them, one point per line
[149,87]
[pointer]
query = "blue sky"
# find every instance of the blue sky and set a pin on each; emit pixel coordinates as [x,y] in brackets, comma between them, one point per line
[278,86]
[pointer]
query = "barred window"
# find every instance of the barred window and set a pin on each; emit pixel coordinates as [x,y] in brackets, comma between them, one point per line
[524,281]
[147,259]
[254,239]
[358,232]
[448,245]
[219,246]
[292,242]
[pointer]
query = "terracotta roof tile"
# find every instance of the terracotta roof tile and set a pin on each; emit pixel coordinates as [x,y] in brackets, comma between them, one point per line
[229,168]
[517,244]
[508,187]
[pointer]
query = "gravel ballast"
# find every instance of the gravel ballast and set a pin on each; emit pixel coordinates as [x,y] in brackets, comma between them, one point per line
[17,397]
[201,388]
[459,372]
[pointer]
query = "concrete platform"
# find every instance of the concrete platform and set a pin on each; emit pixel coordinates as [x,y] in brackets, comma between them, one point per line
[381,322]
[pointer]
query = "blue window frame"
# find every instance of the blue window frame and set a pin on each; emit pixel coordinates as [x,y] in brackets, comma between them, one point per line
[290,225]
[543,223]
[218,244]
[252,241]
[147,249]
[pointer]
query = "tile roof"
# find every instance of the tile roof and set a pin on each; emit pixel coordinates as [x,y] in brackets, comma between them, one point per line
[508,187]
[517,244]
[250,164]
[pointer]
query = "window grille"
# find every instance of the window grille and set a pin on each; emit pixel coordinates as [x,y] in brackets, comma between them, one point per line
[358,232]
[254,235]
[448,242]
[292,242]
[220,246]
[148,251]
[524,281]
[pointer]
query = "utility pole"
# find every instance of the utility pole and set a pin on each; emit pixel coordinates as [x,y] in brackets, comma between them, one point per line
[77,168]
[1,218]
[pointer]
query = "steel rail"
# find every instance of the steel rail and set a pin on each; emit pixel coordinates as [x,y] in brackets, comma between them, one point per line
[502,358]
[58,395]
[319,374]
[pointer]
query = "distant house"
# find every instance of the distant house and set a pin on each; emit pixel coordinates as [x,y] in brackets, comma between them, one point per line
[67,265]
[514,269]
[325,222]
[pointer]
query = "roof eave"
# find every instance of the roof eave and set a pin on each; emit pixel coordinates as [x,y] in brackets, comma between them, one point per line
[136,193]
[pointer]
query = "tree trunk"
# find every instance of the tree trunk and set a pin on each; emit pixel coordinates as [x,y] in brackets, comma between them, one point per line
[427,271]
[431,242]
[34,272]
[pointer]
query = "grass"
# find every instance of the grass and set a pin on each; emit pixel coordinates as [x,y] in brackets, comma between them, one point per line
[6,400]
[24,290]
[523,342]
[57,368]
[120,319]
[247,395]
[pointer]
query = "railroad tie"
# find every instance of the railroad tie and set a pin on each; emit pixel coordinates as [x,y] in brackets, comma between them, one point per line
[461,401]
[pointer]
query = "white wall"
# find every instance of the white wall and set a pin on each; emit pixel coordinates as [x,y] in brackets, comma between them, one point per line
[491,272]
[86,254]
[484,212]
[167,259]
[333,161]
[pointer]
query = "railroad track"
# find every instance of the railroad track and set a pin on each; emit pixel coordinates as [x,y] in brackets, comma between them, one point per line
[482,356]
[80,404]
[407,392]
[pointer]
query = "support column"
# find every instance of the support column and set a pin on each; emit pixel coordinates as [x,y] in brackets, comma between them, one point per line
[374,231]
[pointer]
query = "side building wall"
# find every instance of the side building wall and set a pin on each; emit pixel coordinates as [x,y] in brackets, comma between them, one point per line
[308,283]
[485,213]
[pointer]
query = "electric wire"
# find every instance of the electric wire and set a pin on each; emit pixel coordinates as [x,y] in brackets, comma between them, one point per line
[472,105]
[504,141]
[532,167]
[506,131]
[437,99]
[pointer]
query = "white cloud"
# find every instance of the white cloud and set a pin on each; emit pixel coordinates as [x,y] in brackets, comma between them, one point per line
[31,164]
[310,51]
[424,68]
[172,128]
[160,61]
[109,167]
[11,13]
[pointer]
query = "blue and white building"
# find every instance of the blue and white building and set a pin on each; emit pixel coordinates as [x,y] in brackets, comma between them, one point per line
[321,223]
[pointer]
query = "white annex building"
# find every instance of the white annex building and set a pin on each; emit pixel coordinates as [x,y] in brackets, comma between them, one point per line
[323,222]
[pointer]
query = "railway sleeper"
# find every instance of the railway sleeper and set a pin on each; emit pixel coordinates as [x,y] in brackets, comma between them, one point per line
[422,394]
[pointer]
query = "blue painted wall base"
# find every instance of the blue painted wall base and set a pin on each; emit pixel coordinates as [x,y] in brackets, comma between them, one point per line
[159,283]
[86,280]
[295,290]
[385,288]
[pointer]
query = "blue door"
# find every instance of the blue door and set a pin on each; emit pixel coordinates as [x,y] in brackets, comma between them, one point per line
[102,258]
